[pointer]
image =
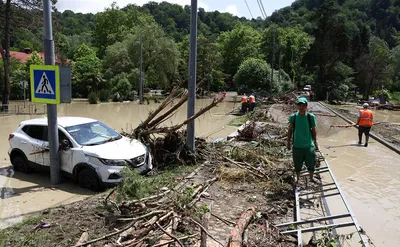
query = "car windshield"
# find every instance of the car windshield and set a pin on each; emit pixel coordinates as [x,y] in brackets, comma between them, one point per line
[90,134]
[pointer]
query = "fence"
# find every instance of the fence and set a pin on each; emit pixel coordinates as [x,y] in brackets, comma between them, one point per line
[23,109]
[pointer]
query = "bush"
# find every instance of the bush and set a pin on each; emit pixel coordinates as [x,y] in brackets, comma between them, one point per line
[378,93]
[104,95]
[396,97]
[93,98]
[253,76]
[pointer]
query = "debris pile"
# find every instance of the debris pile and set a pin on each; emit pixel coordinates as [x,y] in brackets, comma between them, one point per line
[167,144]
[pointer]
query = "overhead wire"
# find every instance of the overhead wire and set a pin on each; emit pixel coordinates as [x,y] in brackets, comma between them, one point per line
[262,6]
[248,8]
[259,5]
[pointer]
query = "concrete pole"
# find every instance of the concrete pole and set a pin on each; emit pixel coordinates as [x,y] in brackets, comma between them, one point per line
[141,71]
[192,75]
[49,59]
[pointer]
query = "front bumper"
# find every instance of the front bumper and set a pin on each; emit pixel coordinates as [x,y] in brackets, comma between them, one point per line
[111,175]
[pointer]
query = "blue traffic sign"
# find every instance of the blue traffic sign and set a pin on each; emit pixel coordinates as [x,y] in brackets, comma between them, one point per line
[45,84]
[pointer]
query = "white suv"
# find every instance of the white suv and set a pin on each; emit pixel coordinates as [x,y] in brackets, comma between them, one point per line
[90,152]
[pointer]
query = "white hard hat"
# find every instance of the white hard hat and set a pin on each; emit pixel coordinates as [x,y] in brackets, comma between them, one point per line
[365,105]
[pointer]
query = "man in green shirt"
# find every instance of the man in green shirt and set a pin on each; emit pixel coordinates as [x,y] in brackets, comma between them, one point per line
[302,129]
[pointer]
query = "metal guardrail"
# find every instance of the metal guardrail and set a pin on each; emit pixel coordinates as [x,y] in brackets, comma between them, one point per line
[298,223]
[23,109]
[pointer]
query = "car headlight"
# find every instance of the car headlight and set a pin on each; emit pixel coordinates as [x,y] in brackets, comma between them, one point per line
[138,160]
[113,162]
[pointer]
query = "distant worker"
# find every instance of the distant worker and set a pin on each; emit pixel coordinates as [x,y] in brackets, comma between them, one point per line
[311,95]
[302,129]
[364,122]
[245,104]
[224,94]
[252,102]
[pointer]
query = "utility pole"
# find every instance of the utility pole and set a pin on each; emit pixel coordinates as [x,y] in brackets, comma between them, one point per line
[49,59]
[280,62]
[192,76]
[141,71]
[273,57]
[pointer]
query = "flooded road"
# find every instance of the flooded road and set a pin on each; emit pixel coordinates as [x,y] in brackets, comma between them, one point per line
[22,194]
[369,178]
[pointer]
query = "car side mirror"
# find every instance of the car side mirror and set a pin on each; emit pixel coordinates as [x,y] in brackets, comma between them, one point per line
[65,144]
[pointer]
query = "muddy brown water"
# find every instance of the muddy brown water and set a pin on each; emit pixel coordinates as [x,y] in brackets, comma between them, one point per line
[22,194]
[369,178]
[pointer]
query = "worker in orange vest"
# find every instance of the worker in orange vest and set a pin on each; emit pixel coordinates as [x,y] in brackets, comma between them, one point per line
[245,104]
[364,122]
[224,94]
[252,102]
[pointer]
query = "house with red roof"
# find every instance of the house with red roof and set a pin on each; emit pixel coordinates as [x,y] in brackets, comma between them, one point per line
[23,56]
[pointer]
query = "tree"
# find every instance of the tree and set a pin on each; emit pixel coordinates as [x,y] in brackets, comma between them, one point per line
[86,71]
[114,24]
[331,46]
[236,46]
[14,14]
[254,76]
[291,45]
[160,57]
[209,61]
[375,67]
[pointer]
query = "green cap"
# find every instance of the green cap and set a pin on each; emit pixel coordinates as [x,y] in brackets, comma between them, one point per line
[302,100]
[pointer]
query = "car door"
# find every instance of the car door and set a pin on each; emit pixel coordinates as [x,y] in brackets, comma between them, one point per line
[66,154]
[39,147]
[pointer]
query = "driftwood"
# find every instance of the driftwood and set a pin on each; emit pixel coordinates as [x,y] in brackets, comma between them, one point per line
[243,167]
[204,230]
[237,232]
[206,221]
[169,234]
[84,238]
[170,242]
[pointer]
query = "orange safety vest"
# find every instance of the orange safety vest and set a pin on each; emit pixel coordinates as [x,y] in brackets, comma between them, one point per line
[252,99]
[366,117]
[244,99]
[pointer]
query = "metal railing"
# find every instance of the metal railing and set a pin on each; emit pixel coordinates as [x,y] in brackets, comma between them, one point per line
[23,109]
[334,189]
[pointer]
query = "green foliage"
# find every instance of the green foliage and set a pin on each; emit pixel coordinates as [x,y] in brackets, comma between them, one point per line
[29,238]
[254,75]
[104,95]
[238,45]
[396,97]
[291,45]
[114,24]
[135,186]
[86,71]
[93,98]
[375,68]
[385,92]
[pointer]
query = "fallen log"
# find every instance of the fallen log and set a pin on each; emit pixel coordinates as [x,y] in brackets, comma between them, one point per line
[238,230]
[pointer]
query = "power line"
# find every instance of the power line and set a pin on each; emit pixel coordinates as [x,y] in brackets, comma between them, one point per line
[259,5]
[249,9]
[262,6]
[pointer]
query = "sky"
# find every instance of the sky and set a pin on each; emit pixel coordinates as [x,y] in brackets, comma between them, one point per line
[235,7]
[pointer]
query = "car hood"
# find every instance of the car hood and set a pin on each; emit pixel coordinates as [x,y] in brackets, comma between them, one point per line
[123,148]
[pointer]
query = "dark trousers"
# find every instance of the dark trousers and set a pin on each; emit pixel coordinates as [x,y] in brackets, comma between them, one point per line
[363,130]
[245,107]
[252,106]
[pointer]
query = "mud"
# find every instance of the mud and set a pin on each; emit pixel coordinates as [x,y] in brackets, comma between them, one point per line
[22,194]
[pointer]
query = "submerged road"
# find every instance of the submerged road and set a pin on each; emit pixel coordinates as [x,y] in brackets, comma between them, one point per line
[368,176]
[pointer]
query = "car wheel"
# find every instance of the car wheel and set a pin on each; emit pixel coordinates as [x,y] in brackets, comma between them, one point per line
[88,179]
[21,165]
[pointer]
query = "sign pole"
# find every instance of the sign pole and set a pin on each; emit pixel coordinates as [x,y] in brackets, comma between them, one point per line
[192,76]
[49,59]
[141,71]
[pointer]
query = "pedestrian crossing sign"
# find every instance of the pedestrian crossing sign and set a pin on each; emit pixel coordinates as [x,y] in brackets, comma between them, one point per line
[45,84]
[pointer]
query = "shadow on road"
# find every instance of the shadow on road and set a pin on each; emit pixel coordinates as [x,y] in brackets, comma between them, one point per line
[20,183]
